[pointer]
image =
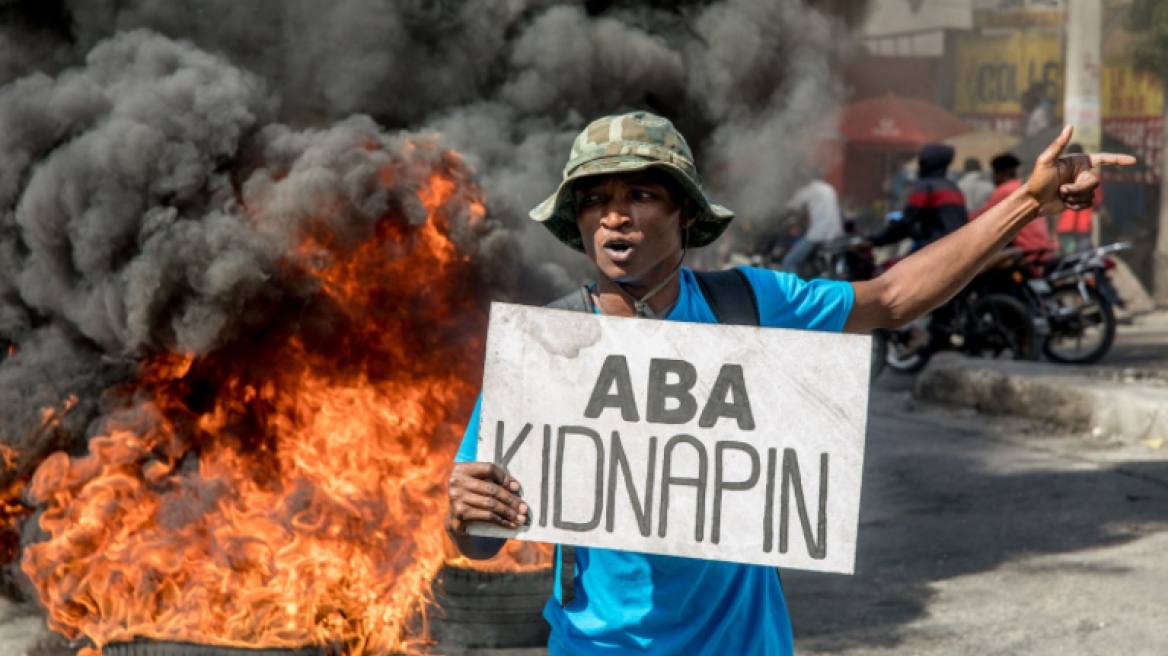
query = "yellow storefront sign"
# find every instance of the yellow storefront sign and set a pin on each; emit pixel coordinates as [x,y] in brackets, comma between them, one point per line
[1020,18]
[993,72]
[1127,94]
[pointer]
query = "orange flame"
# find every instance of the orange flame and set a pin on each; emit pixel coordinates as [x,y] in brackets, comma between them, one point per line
[15,471]
[289,490]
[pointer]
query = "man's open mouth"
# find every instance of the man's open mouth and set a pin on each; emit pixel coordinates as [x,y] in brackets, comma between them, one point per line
[619,250]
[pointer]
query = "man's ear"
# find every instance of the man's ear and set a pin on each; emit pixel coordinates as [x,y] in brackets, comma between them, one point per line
[689,214]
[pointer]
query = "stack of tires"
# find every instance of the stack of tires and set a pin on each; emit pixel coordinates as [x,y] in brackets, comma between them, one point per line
[491,609]
[474,609]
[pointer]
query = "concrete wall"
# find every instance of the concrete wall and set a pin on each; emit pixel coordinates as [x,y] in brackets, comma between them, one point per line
[914,28]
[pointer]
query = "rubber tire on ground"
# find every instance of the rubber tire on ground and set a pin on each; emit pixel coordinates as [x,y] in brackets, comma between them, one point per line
[1003,305]
[491,609]
[160,648]
[1109,328]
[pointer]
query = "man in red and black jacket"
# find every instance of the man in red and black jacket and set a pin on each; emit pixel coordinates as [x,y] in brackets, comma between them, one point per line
[936,207]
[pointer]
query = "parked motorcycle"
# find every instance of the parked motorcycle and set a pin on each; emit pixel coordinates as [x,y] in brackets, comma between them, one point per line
[1063,309]
[997,315]
[1080,302]
[844,258]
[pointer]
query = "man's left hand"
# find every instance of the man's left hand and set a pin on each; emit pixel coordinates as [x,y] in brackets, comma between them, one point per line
[1063,181]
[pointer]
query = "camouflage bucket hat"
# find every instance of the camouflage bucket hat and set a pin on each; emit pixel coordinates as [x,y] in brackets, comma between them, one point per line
[625,144]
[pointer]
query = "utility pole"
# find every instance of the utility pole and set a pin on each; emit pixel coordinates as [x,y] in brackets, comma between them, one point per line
[1160,255]
[1082,102]
[1148,18]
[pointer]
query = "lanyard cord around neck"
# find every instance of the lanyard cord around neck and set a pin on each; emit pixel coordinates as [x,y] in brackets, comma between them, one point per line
[642,306]
[642,309]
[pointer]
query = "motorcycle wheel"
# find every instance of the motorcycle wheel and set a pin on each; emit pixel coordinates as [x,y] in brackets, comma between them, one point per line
[905,364]
[1072,320]
[879,353]
[1000,324]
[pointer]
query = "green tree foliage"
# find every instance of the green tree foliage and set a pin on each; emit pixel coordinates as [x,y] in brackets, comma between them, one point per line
[1150,18]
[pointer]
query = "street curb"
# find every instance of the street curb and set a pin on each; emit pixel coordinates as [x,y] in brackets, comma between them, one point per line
[1153,318]
[1077,399]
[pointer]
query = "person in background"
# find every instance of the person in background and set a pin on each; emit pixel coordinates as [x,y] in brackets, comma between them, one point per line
[974,185]
[901,183]
[936,206]
[1038,108]
[1074,226]
[821,204]
[1035,237]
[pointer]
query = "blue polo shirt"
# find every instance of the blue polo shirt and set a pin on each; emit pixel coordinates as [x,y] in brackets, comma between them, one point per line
[634,603]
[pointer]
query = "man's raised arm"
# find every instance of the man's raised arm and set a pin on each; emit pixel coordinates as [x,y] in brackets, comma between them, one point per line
[932,276]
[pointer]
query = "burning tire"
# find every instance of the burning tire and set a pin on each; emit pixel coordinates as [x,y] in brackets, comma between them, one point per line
[151,648]
[491,609]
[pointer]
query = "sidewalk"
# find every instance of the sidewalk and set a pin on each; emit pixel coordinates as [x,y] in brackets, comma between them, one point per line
[1153,318]
[1127,405]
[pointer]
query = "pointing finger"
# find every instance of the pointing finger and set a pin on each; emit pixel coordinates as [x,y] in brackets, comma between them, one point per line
[1084,184]
[1056,147]
[1112,159]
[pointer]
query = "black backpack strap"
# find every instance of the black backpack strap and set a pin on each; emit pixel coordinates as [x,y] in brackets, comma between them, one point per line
[731,296]
[567,574]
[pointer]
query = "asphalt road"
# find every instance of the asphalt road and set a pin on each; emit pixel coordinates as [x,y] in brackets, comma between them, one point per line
[992,536]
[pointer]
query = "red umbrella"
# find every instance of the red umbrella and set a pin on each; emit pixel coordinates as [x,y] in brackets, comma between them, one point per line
[896,121]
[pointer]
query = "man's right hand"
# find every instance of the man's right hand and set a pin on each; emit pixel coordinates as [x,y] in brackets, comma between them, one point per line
[482,492]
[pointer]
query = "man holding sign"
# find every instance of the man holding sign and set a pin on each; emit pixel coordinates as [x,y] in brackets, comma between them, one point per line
[690,424]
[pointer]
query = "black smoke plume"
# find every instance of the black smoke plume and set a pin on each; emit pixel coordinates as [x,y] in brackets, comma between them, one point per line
[135,135]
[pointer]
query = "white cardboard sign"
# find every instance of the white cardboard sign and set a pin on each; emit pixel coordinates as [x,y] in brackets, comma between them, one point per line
[726,443]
